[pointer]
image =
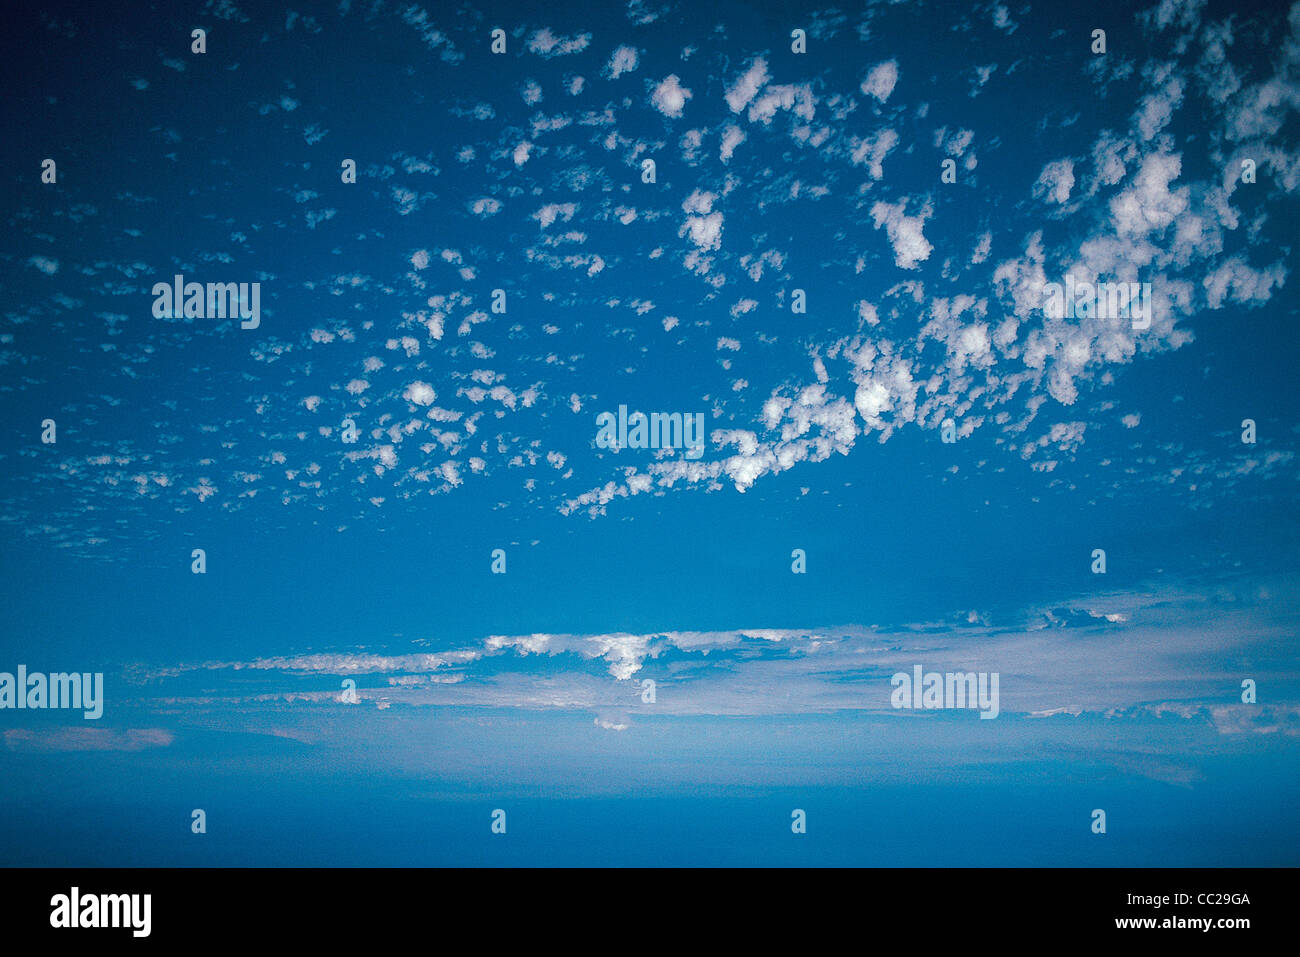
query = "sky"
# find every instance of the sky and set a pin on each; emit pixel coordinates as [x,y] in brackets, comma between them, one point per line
[360,570]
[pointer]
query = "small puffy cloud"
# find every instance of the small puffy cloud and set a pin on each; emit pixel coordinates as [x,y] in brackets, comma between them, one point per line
[552,211]
[873,150]
[881,79]
[1157,108]
[953,143]
[623,60]
[981,76]
[798,99]
[691,142]
[521,153]
[1067,436]
[204,490]
[1055,181]
[910,246]
[1237,281]
[700,201]
[419,393]
[1131,421]
[44,264]
[872,400]
[670,97]
[317,216]
[739,94]
[702,225]
[1260,110]
[732,136]
[1149,204]
[484,206]
[547,43]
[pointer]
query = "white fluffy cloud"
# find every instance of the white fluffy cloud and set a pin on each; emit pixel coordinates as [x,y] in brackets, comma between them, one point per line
[547,43]
[873,150]
[552,211]
[1237,281]
[1055,181]
[740,93]
[419,393]
[732,136]
[625,59]
[703,224]
[881,79]
[670,97]
[910,246]
[798,99]
[1149,204]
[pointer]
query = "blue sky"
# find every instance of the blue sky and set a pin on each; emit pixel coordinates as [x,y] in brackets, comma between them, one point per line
[774,171]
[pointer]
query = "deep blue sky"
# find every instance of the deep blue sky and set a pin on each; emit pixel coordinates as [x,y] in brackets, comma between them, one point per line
[777,172]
